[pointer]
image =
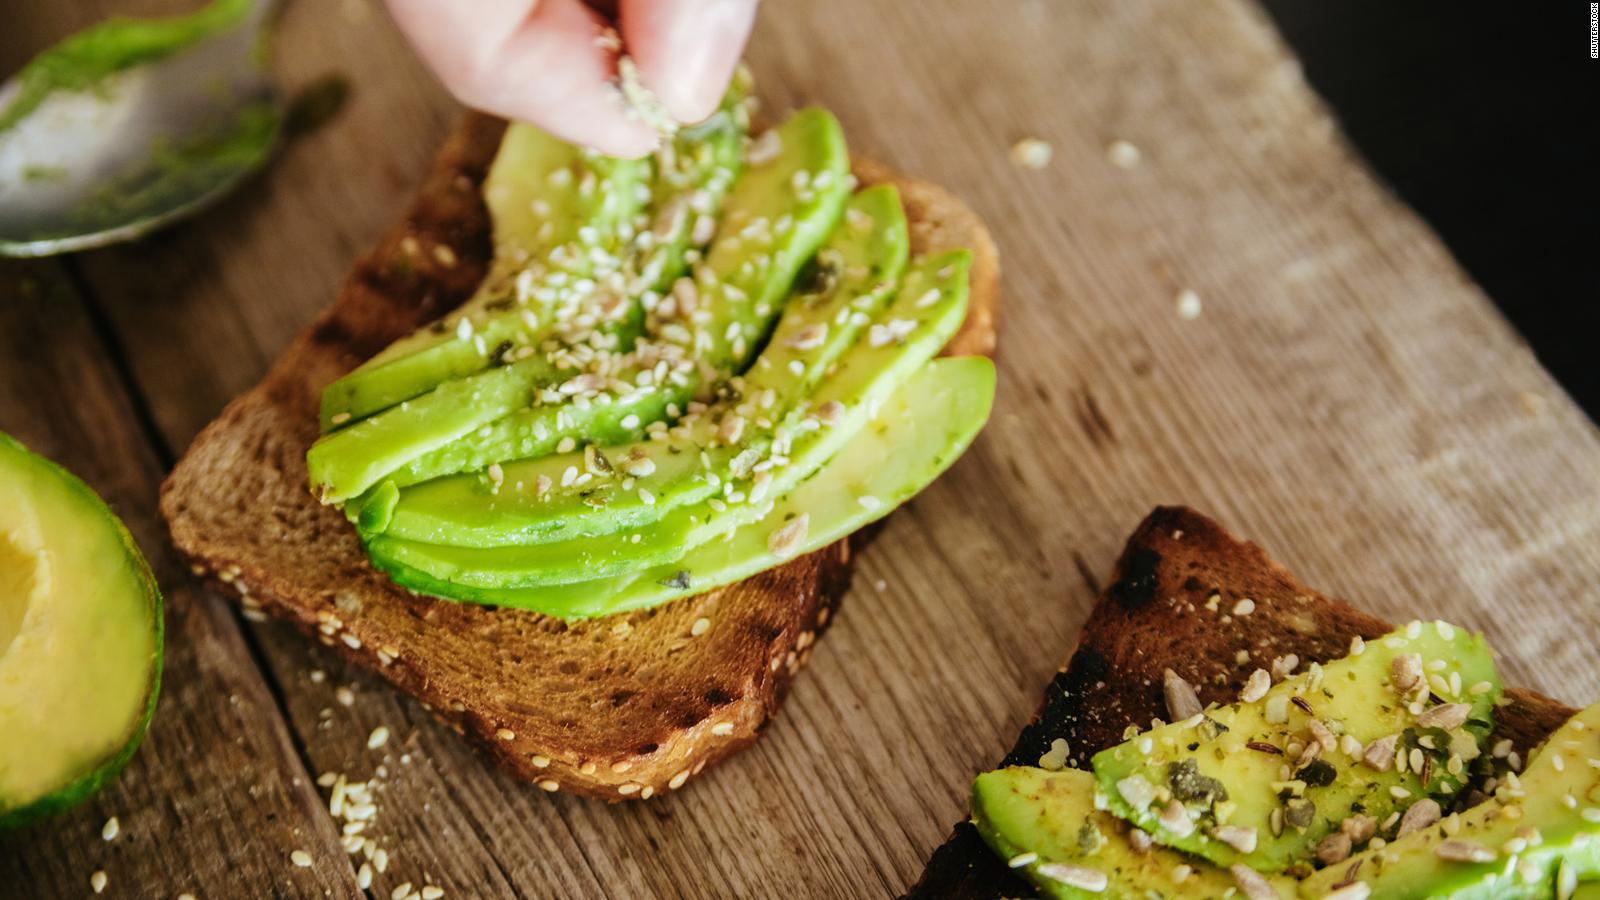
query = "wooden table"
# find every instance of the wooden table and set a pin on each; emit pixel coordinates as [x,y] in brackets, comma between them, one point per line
[1345,396]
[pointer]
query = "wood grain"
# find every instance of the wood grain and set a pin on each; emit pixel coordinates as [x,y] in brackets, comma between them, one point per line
[1346,397]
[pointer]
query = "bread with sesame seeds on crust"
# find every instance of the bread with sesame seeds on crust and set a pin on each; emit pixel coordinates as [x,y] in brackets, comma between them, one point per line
[1153,617]
[682,686]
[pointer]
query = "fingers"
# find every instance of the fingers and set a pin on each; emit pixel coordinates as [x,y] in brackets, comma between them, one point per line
[687,49]
[536,60]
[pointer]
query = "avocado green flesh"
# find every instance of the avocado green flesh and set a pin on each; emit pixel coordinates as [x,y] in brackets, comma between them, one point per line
[80,639]
[1560,802]
[740,286]
[870,260]
[867,377]
[471,511]
[1351,696]
[1022,810]
[532,169]
[923,427]
[546,221]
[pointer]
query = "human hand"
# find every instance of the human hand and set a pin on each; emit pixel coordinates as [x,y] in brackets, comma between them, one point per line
[551,62]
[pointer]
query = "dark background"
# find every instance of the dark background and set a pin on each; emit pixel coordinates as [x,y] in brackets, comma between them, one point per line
[1483,117]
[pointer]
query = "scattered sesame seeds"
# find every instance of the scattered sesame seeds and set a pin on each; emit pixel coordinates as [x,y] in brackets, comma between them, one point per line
[548,785]
[378,737]
[400,891]
[1187,304]
[1244,607]
[506,734]
[1251,882]
[111,829]
[722,729]
[432,892]
[700,626]
[1123,154]
[301,859]
[98,880]
[1031,153]
[1022,859]
[344,695]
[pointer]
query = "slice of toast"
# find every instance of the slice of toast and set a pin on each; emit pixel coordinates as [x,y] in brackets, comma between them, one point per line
[1158,614]
[623,707]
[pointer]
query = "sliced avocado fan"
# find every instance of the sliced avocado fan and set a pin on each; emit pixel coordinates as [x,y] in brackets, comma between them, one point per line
[768,230]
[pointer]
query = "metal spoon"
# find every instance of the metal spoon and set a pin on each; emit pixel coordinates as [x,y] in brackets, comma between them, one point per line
[142,146]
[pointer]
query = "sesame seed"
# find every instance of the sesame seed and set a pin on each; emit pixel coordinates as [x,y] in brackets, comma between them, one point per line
[678,779]
[364,876]
[378,737]
[400,891]
[722,729]
[700,626]
[98,880]
[505,734]
[110,830]
[1022,859]
[786,541]
[432,892]
[1188,305]
[540,762]
[628,788]
[1082,877]
[1123,154]
[549,786]
[344,695]
[301,858]
[1031,153]
[1592,814]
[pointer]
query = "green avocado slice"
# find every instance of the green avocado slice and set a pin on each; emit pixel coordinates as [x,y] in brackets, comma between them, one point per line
[918,433]
[537,201]
[80,639]
[867,376]
[739,287]
[525,502]
[1046,825]
[583,201]
[1537,837]
[1237,783]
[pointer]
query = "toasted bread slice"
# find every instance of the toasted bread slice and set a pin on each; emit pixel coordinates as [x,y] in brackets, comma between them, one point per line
[625,707]
[1156,615]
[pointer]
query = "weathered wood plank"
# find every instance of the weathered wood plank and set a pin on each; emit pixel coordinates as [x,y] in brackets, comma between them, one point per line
[216,798]
[1345,396]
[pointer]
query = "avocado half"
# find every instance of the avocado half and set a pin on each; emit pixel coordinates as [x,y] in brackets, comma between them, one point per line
[80,639]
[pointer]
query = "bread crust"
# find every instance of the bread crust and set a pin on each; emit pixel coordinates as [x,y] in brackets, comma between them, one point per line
[1156,614]
[625,707]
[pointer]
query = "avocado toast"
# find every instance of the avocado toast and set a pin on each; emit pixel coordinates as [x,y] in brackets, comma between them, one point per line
[1176,602]
[622,707]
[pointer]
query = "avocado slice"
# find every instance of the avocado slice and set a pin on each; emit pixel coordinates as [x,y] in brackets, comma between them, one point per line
[868,375]
[918,432]
[1537,837]
[768,230]
[1047,826]
[552,206]
[1239,784]
[585,200]
[850,281]
[80,639]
